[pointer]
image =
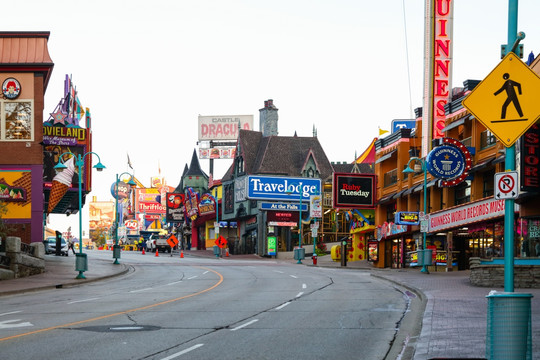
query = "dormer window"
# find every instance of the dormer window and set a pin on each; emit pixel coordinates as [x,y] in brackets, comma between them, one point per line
[310,173]
[240,165]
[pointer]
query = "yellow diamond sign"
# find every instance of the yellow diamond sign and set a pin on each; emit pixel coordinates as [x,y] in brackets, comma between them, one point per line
[506,101]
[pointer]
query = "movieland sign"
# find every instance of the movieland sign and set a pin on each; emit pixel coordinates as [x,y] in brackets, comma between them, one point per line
[282,188]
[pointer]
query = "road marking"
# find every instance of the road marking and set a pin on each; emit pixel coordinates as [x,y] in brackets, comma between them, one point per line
[183,352]
[304,286]
[300,294]
[280,272]
[244,325]
[176,282]
[283,305]
[145,289]
[78,301]
[8,324]
[206,272]
[121,312]
[9,313]
[193,277]
[296,277]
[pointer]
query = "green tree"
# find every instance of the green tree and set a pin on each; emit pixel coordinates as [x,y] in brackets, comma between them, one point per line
[99,236]
[3,225]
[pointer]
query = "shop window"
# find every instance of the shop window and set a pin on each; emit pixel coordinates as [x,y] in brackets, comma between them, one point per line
[390,210]
[390,178]
[16,120]
[488,183]
[462,193]
[487,139]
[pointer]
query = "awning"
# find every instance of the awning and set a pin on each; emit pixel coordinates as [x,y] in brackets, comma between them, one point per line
[398,194]
[385,157]
[432,182]
[411,189]
[385,199]
[499,159]
[454,125]
[481,165]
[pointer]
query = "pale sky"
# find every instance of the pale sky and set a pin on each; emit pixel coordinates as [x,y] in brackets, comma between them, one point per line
[147,70]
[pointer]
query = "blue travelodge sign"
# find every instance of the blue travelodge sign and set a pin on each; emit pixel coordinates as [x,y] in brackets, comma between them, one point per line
[282,188]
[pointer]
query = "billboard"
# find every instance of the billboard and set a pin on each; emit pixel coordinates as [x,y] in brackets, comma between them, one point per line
[227,152]
[354,191]
[223,127]
[175,207]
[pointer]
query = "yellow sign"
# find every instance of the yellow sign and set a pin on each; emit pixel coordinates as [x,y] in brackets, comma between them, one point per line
[506,101]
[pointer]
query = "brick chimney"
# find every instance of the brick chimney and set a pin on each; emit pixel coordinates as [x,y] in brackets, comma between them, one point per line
[268,119]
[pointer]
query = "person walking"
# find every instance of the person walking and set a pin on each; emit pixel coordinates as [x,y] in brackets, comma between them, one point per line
[71,243]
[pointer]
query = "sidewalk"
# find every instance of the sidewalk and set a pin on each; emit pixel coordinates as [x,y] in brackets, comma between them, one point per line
[454,322]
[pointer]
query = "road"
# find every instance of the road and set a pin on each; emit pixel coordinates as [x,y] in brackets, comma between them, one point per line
[196,308]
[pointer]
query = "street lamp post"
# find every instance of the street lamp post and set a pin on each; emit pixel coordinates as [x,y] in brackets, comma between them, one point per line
[81,263]
[300,230]
[424,169]
[216,230]
[116,247]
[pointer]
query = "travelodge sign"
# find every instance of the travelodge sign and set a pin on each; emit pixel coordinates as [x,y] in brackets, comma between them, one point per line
[282,188]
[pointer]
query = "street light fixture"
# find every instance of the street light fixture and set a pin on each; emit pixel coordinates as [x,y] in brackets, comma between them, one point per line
[116,247]
[81,263]
[417,169]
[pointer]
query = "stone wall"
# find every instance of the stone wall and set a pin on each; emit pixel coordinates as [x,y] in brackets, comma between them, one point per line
[525,276]
[22,264]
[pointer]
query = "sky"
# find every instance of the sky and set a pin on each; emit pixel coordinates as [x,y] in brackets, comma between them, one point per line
[147,70]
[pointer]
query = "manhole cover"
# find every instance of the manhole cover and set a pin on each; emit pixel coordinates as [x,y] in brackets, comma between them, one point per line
[120,328]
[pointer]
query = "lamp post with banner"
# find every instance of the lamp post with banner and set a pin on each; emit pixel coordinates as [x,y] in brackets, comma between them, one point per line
[116,247]
[81,263]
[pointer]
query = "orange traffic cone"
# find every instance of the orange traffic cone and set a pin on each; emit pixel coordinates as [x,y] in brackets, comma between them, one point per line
[181,254]
[227,252]
[157,252]
[143,252]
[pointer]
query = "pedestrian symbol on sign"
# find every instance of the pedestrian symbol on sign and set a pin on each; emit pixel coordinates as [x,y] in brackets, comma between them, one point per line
[511,97]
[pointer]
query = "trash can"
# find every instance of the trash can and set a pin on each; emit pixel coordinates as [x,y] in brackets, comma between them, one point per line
[509,326]
[299,253]
[216,250]
[116,252]
[425,257]
[81,262]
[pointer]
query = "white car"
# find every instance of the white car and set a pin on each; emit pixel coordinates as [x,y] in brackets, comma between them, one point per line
[50,246]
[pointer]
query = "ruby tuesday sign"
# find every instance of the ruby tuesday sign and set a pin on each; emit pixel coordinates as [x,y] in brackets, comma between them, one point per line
[354,191]
[282,188]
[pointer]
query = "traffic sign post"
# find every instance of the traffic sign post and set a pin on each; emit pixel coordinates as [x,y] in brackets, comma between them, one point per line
[506,185]
[506,101]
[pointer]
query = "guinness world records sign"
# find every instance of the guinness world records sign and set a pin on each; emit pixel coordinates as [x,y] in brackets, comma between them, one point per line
[450,162]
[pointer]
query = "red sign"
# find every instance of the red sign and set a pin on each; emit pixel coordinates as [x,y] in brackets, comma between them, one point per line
[221,242]
[131,224]
[282,216]
[172,240]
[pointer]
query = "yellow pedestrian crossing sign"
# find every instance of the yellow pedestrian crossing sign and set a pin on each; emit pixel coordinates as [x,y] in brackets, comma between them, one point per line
[506,101]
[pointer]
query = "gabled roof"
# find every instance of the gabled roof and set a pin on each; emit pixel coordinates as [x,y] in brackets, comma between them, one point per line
[180,187]
[195,167]
[280,155]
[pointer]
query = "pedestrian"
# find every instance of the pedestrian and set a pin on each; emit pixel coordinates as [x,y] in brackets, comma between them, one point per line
[71,243]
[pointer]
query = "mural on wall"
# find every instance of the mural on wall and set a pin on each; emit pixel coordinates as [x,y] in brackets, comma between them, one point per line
[16,192]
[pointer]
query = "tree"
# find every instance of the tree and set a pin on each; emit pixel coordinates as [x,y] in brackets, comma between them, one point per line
[99,235]
[3,225]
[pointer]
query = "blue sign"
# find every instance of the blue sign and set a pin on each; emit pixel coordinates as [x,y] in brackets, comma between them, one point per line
[445,162]
[284,206]
[402,124]
[282,188]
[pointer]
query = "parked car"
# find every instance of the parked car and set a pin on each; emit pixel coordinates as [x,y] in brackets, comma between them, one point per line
[50,246]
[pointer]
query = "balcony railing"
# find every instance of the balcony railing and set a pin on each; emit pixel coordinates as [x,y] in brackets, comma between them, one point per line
[390,178]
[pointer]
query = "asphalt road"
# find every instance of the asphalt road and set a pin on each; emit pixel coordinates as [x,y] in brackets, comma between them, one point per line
[209,309]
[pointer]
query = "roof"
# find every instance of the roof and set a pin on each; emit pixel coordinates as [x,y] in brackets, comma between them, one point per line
[280,155]
[26,51]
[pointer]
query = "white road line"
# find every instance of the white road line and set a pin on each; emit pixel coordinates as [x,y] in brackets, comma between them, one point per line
[296,277]
[244,325]
[206,272]
[193,277]
[183,352]
[9,313]
[283,305]
[78,301]
[145,289]
[176,282]
[304,286]
[281,272]
[300,294]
